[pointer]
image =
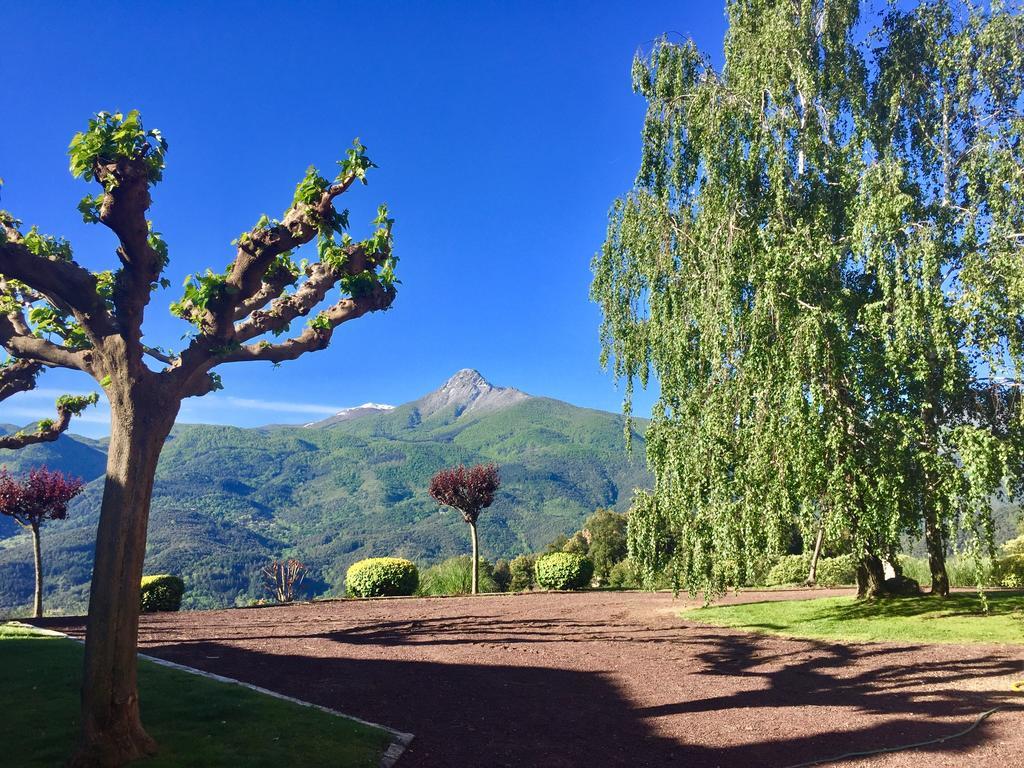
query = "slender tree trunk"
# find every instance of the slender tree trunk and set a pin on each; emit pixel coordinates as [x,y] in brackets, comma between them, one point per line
[812,574]
[476,561]
[936,554]
[37,606]
[111,729]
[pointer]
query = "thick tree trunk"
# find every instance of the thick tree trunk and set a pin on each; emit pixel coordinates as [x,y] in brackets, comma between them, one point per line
[37,605]
[936,555]
[870,577]
[111,730]
[476,560]
[812,573]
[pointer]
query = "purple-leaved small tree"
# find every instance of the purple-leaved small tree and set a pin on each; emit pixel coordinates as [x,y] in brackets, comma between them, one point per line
[41,495]
[470,491]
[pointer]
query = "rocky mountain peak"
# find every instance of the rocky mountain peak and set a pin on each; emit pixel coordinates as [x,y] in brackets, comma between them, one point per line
[468,391]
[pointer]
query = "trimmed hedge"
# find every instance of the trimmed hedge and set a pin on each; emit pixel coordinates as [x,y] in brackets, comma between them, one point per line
[791,569]
[564,570]
[382,577]
[836,571]
[161,592]
[832,571]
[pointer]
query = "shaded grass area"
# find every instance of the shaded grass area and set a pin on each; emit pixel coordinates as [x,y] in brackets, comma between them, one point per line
[960,618]
[196,721]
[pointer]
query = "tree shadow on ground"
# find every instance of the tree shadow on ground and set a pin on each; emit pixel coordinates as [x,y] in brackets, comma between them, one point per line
[737,700]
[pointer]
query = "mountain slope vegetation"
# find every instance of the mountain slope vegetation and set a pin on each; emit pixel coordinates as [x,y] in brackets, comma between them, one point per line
[228,499]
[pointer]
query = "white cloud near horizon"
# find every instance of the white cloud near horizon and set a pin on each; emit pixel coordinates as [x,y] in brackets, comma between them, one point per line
[219,402]
[213,409]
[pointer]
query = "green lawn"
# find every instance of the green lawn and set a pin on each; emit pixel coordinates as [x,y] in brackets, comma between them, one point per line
[196,721]
[957,619]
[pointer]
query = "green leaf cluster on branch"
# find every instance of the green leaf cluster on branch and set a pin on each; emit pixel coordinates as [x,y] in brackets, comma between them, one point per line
[820,263]
[58,314]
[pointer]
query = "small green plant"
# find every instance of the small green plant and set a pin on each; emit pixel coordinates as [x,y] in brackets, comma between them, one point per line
[502,574]
[161,592]
[454,576]
[382,577]
[522,572]
[564,570]
[623,575]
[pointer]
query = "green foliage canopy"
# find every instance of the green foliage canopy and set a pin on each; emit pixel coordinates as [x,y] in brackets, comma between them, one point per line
[820,263]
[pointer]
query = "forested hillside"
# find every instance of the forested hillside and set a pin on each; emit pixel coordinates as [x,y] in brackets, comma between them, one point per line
[228,499]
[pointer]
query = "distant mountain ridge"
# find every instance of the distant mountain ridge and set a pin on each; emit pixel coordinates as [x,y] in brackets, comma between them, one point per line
[227,499]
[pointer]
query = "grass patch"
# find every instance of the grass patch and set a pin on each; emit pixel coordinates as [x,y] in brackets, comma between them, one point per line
[960,618]
[196,721]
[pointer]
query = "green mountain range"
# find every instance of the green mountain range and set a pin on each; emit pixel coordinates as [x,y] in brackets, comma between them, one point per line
[228,500]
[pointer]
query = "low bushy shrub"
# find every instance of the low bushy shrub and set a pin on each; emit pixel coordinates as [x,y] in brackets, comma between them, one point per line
[790,569]
[381,577]
[522,571]
[831,571]
[624,576]
[834,571]
[161,592]
[564,570]
[1008,571]
[1013,546]
[454,576]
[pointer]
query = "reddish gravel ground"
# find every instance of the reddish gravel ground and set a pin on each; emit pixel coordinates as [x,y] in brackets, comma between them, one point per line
[607,679]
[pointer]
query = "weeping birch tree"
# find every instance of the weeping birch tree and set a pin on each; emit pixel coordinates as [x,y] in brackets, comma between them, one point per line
[754,271]
[58,314]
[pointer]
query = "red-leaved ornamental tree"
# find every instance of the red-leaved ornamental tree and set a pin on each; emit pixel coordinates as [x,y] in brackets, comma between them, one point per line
[41,495]
[470,491]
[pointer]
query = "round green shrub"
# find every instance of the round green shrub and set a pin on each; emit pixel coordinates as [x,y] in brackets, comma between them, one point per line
[161,592]
[790,569]
[382,577]
[624,576]
[1013,546]
[836,571]
[564,570]
[1008,571]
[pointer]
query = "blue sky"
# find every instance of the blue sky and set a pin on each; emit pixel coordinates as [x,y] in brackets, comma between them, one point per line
[503,132]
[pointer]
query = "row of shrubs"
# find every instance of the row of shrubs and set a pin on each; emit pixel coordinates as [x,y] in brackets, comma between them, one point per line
[564,567]
[395,576]
[830,572]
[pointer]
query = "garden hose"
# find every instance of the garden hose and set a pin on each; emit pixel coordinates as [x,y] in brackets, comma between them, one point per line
[1016,686]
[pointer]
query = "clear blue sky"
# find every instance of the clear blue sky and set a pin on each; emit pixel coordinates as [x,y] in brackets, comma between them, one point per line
[503,132]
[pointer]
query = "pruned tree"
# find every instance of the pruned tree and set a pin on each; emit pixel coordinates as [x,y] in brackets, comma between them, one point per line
[41,495]
[59,314]
[821,264]
[470,491]
[282,577]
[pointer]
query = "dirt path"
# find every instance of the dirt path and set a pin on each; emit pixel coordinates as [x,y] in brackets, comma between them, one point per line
[606,679]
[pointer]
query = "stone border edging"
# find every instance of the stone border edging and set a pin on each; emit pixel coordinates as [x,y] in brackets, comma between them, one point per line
[399,740]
